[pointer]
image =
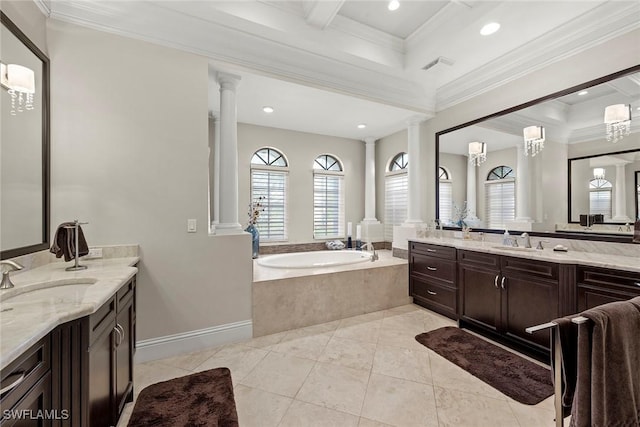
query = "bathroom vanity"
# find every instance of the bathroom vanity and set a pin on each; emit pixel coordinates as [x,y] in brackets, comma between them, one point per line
[71,353]
[500,291]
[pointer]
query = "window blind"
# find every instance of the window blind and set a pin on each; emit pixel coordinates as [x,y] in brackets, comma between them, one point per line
[445,206]
[600,202]
[500,201]
[272,186]
[395,203]
[328,206]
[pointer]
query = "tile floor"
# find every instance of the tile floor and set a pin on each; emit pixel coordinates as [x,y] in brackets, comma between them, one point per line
[365,371]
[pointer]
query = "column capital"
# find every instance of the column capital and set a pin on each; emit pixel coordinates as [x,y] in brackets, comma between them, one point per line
[227,81]
[214,115]
[415,120]
[369,140]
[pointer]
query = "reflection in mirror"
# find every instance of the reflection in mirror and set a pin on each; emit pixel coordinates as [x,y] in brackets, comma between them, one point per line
[637,186]
[523,184]
[24,160]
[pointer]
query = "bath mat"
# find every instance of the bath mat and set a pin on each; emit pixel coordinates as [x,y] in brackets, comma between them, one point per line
[515,376]
[201,399]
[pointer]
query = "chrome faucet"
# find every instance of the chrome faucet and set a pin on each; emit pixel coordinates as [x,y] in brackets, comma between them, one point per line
[374,256]
[6,280]
[527,240]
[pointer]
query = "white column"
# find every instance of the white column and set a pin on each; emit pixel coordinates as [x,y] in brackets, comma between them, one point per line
[228,189]
[413,202]
[523,179]
[214,169]
[472,170]
[620,207]
[370,181]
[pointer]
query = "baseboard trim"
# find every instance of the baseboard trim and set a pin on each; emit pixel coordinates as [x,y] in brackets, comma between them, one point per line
[186,342]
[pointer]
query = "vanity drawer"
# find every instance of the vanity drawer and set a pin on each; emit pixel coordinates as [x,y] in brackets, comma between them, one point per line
[432,267]
[525,268]
[25,372]
[479,258]
[607,278]
[125,294]
[103,318]
[435,296]
[445,252]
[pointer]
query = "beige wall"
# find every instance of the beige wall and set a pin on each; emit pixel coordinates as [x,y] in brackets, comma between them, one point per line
[301,149]
[386,149]
[27,16]
[457,167]
[130,155]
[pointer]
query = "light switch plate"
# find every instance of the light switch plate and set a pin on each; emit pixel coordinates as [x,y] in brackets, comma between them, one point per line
[94,253]
[191,226]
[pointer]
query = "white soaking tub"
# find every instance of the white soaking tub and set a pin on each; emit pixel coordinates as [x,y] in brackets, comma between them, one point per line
[314,259]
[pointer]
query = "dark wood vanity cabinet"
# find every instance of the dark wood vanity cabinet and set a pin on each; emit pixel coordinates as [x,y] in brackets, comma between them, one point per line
[598,286]
[433,278]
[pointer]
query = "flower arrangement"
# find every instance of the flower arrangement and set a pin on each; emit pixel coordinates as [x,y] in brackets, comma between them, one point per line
[459,214]
[255,207]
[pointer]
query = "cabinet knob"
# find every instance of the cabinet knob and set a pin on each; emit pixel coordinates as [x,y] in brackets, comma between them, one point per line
[431,292]
[431,268]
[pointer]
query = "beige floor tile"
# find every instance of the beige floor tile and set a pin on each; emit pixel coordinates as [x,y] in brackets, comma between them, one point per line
[434,321]
[335,387]
[126,414]
[239,361]
[460,409]
[189,361]
[301,414]
[279,373]
[322,327]
[145,374]
[349,353]
[366,422]
[400,337]
[403,309]
[267,340]
[257,408]
[404,363]
[363,318]
[303,344]
[399,402]
[413,321]
[539,415]
[366,331]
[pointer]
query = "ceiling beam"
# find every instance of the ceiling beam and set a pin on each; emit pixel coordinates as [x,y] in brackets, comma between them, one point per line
[320,13]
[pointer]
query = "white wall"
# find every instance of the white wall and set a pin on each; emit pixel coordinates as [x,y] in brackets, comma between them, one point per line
[457,167]
[27,17]
[130,155]
[386,149]
[301,149]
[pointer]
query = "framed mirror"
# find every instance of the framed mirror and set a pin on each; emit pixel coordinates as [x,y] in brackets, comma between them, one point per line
[24,144]
[514,169]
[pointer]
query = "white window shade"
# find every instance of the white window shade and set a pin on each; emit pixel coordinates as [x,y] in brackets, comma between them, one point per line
[395,203]
[328,206]
[500,202]
[272,186]
[445,204]
[600,202]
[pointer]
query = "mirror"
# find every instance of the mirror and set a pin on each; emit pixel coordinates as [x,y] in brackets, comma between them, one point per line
[637,187]
[486,196]
[24,179]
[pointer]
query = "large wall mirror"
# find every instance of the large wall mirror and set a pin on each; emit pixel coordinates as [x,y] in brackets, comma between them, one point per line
[574,165]
[24,147]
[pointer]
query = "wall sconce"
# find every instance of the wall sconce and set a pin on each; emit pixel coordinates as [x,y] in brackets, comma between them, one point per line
[20,83]
[477,153]
[533,140]
[598,173]
[618,120]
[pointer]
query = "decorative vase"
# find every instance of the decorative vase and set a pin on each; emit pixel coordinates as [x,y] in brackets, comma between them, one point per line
[255,240]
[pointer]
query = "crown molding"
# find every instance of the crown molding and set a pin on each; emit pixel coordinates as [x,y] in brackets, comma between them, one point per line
[44,6]
[603,23]
[369,34]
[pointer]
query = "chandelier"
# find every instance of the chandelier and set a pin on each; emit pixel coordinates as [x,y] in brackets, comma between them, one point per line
[533,140]
[618,120]
[477,153]
[598,173]
[20,84]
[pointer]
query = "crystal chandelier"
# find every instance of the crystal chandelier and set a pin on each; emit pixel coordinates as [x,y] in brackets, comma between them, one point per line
[21,86]
[598,173]
[618,120]
[477,153]
[533,140]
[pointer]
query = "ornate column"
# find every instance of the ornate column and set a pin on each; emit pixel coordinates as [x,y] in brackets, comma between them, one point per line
[228,182]
[620,207]
[214,169]
[370,181]
[413,171]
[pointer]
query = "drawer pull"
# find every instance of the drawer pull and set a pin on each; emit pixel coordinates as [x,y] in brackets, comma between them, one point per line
[636,283]
[117,329]
[15,383]
[502,282]
[431,268]
[495,281]
[431,250]
[431,292]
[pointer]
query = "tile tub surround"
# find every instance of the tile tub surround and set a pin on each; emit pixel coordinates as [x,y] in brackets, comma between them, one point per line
[23,325]
[285,299]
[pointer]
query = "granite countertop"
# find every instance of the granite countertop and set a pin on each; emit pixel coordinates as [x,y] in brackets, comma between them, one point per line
[48,296]
[620,262]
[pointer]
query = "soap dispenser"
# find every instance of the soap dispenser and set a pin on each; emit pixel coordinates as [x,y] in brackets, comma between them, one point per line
[506,238]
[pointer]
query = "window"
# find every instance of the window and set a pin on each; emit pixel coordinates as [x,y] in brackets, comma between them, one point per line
[445,203]
[328,198]
[500,191]
[600,197]
[395,194]
[269,174]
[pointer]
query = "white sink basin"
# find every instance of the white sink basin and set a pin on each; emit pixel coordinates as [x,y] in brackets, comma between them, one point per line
[55,292]
[515,248]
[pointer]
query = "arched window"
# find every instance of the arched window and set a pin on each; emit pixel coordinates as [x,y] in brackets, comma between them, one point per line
[395,194]
[445,191]
[328,198]
[600,197]
[500,196]
[269,173]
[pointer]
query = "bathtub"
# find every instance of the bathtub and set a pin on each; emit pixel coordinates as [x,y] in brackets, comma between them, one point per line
[315,259]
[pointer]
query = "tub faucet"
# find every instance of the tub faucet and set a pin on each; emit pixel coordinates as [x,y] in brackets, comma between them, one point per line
[6,280]
[374,256]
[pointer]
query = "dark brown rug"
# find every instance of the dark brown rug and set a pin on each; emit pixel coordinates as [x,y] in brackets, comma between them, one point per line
[197,400]
[507,372]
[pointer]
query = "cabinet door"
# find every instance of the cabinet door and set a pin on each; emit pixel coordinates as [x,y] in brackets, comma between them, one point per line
[480,298]
[124,356]
[38,399]
[528,302]
[100,366]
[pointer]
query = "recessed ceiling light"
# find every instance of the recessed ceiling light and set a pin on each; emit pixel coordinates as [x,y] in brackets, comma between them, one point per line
[362,126]
[490,28]
[267,109]
[583,93]
[394,5]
